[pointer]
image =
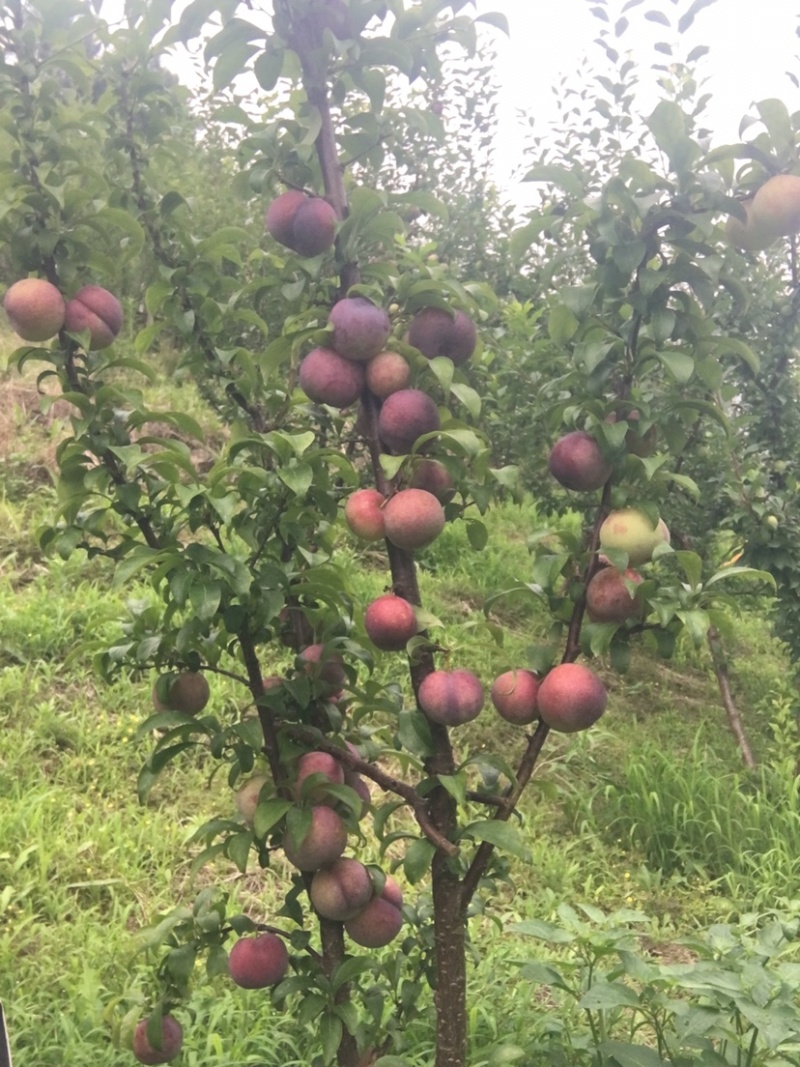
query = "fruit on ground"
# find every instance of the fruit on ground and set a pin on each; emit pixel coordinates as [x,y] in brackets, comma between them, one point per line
[631,531]
[609,599]
[451,697]
[305,224]
[360,328]
[577,463]
[327,666]
[247,797]
[363,513]
[317,763]
[514,696]
[35,309]
[387,373]
[322,844]
[413,518]
[571,698]
[776,205]
[405,416]
[328,378]
[258,962]
[171,1041]
[748,236]
[96,310]
[435,332]
[381,920]
[341,890]
[188,693]
[390,622]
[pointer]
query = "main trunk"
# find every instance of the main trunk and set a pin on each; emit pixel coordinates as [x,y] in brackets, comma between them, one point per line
[451,966]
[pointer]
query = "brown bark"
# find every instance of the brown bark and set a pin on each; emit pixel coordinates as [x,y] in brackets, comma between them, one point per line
[720,662]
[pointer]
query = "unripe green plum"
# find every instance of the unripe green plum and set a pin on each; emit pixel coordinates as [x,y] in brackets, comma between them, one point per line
[451,698]
[323,844]
[342,890]
[35,309]
[435,332]
[405,416]
[96,310]
[360,328]
[571,698]
[170,1045]
[514,696]
[258,962]
[631,531]
[413,518]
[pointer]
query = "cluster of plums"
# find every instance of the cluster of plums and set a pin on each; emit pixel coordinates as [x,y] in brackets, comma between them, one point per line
[37,311]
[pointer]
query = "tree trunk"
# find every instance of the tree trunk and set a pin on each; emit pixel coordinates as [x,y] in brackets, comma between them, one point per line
[720,663]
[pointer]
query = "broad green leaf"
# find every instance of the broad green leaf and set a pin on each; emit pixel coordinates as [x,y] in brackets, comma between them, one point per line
[501,834]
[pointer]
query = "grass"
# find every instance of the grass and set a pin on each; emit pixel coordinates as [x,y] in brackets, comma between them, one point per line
[636,812]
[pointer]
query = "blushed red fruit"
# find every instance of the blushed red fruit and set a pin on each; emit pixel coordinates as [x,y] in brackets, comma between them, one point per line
[576,462]
[571,698]
[35,309]
[608,598]
[387,373]
[96,310]
[434,477]
[324,842]
[451,697]
[171,1041]
[514,696]
[342,890]
[405,416]
[328,378]
[413,518]
[321,663]
[305,224]
[258,962]
[390,622]
[188,693]
[381,920]
[360,328]
[247,797]
[435,332]
[363,513]
[318,763]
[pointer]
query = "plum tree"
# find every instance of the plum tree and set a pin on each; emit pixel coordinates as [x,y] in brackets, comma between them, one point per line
[413,518]
[341,890]
[381,920]
[328,378]
[451,698]
[305,224]
[514,696]
[97,310]
[360,328]
[35,309]
[577,462]
[571,697]
[258,962]
[167,1046]
[390,622]
[436,332]
[405,416]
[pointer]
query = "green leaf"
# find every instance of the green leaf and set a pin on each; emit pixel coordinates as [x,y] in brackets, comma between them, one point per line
[543,931]
[561,324]
[268,814]
[751,573]
[775,117]
[626,1055]
[501,834]
[692,566]
[417,859]
[606,995]
[297,478]
[267,68]
[330,1032]
[469,397]
[478,534]
[564,177]
[680,366]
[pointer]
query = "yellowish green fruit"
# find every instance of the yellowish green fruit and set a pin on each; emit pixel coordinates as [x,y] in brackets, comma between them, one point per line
[776,205]
[631,531]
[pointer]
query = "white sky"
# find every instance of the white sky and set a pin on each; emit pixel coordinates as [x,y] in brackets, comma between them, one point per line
[753,43]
